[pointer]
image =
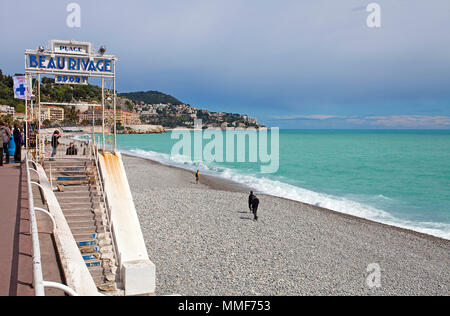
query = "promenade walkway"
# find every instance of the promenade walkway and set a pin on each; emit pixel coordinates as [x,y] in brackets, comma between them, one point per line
[16,269]
[15,241]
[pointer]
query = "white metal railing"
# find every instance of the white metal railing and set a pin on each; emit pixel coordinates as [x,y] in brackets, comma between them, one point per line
[38,279]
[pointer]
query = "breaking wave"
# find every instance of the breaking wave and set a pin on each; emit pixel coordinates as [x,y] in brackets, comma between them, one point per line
[273,187]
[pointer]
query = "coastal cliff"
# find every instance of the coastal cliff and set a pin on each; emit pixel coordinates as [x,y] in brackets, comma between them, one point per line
[143,129]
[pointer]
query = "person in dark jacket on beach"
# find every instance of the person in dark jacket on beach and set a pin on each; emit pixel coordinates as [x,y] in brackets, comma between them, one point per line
[250,201]
[255,204]
[197,176]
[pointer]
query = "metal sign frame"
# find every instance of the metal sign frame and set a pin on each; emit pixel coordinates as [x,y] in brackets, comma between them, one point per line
[79,60]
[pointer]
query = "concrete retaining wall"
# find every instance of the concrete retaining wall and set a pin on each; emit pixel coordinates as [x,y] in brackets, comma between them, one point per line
[137,271]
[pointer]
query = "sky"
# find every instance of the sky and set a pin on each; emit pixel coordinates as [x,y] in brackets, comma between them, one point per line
[289,63]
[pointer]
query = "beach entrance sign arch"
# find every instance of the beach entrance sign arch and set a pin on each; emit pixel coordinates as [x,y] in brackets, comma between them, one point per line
[74,63]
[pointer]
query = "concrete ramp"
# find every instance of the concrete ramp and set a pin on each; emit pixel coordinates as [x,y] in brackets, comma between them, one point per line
[137,271]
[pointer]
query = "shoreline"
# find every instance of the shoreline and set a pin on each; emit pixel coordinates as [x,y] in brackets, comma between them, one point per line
[220,184]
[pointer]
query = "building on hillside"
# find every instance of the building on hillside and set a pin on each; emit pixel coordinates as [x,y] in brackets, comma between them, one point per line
[6,110]
[130,118]
[90,115]
[50,113]
[122,117]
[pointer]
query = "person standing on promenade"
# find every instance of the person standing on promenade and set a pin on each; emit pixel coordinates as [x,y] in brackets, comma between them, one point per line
[197,176]
[2,135]
[55,142]
[5,132]
[19,142]
[255,204]
[250,201]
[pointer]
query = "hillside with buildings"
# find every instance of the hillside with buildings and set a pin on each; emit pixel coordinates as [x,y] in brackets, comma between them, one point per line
[81,104]
[182,115]
[161,109]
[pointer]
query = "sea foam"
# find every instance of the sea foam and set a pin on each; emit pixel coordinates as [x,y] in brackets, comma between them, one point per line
[264,185]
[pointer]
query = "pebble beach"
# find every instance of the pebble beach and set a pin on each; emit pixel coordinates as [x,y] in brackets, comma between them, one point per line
[203,241]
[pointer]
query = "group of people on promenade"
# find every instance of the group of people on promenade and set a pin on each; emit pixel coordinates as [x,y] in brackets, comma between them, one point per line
[253,201]
[6,131]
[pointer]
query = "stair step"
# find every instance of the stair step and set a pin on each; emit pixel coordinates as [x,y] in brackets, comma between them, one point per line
[91,257]
[66,166]
[87,230]
[55,166]
[98,271]
[107,287]
[78,201]
[81,212]
[76,194]
[108,278]
[71,201]
[84,187]
[82,222]
[95,239]
[86,250]
[98,226]
[93,263]
[80,206]
[78,212]
[76,218]
[68,174]
[78,198]
[86,239]
[75,203]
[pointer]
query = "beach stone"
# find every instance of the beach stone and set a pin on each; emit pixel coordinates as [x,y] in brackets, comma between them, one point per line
[204,241]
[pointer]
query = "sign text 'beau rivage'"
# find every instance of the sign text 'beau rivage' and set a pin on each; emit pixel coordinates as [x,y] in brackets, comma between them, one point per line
[72,61]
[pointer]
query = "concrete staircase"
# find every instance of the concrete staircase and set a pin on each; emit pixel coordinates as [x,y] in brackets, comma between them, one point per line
[77,189]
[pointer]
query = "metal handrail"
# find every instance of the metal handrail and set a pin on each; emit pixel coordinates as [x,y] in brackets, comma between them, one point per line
[49,215]
[38,279]
[60,286]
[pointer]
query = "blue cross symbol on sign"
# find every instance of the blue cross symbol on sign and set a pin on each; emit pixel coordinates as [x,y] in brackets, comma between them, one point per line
[21,89]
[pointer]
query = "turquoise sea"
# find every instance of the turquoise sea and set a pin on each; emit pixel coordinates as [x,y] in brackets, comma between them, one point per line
[397,177]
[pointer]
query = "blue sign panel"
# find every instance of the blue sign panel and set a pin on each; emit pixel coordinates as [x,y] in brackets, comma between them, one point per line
[63,79]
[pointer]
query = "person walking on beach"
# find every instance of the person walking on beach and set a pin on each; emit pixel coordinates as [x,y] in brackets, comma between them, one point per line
[255,204]
[55,142]
[5,133]
[197,176]
[250,201]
